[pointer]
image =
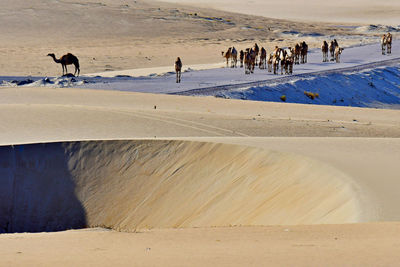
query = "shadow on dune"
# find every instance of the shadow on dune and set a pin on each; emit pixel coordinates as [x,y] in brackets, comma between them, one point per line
[141,184]
[37,192]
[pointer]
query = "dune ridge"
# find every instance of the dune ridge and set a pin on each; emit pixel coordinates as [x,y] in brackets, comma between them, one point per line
[144,184]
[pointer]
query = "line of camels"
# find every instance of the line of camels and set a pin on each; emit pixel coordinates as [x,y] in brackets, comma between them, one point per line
[286,58]
[283,58]
[251,57]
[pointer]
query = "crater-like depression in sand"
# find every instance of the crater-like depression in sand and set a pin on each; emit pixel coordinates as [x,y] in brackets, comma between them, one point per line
[143,184]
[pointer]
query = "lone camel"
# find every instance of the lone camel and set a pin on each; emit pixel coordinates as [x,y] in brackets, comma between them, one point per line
[65,60]
[178,69]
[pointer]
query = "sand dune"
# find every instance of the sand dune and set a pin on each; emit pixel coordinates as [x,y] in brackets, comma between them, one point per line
[130,185]
[259,172]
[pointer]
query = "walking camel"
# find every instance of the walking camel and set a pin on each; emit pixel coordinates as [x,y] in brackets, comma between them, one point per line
[65,60]
[178,69]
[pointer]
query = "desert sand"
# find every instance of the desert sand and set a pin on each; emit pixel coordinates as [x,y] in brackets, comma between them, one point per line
[119,35]
[351,191]
[180,180]
[340,11]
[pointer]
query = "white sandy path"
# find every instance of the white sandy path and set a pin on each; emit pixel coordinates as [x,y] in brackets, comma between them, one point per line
[340,11]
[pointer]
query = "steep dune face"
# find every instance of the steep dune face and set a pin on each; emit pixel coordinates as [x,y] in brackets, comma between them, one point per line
[129,185]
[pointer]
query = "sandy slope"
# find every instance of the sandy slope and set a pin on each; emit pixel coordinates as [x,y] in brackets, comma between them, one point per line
[350,11]
[42,114]
[134,185]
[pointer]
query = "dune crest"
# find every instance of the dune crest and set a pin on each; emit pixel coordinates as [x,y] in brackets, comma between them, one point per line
[130,185]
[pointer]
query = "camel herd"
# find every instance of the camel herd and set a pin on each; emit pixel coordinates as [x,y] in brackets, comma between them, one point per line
[386,43]
[283,58]
[333,49]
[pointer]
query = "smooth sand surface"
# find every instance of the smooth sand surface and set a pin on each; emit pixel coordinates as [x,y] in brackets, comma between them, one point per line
[317,245]
[350,11]
[32,115]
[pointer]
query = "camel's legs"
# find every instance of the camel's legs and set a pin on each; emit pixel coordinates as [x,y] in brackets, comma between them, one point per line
[178,77]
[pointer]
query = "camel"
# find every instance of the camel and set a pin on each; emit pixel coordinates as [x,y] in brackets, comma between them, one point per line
[276,54]
[234,55]
[383,44]
[338,52]
[297,50]
[227,55]
[256,51]
[269,62]
[332,47]
[241,58]
[282,59]
[263,58]
[178,69]
[389,43]
[247,61]
[303,52]
[289,60]
[253,58]
[325,50]
[275,63]
[65,60]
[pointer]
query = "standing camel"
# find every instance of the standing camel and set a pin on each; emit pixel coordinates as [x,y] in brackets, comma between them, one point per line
[383,44]
[338,52]
[325,50]
[303,52]
[389,43]
[234,55]
[263,58]
[297,54]
[178,69]
[241,58]
[65,60]
[256,51]
[227,55]
[332,47]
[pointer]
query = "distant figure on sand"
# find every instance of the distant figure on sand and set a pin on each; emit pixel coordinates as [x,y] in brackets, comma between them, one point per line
[65,60]
[389,43]
[178,69]
[383,43]
[325,50]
